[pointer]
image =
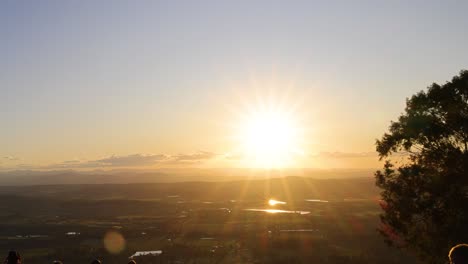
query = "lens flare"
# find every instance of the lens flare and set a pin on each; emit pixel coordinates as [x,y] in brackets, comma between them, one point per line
[114,242]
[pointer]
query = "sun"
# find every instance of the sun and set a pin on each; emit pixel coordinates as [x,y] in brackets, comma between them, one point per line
[269,138]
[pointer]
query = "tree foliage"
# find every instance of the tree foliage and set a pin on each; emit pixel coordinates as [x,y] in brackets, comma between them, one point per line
[425,194]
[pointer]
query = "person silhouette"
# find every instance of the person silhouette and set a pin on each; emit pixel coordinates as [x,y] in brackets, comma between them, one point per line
[459,254]
[96,261]
[13,258]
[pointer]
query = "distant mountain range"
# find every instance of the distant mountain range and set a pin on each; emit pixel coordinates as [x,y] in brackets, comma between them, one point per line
[59,177]
[287,189]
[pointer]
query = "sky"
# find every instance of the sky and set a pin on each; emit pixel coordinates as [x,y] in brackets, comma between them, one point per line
[147,84]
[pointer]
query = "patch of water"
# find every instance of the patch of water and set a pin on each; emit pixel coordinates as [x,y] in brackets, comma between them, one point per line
[316,201]
[277,211]
[146,253]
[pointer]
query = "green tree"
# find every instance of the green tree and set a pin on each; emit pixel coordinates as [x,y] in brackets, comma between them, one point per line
[425,189]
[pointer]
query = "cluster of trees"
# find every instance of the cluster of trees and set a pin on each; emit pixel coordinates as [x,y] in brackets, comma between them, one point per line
[425,191]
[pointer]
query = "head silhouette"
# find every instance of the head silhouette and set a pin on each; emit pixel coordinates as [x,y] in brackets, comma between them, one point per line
[459,254]
[13,258]
[96,261]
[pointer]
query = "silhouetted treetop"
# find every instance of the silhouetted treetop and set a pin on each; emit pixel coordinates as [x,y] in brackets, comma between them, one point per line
[436,118]
[425,199]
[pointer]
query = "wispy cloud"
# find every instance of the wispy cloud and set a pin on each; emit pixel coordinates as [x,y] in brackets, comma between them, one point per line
[136,160]
[339,155]
[10,158]
[71,161]
[131,160]
[345,155]
[25,166]
[142,160]
[197,156]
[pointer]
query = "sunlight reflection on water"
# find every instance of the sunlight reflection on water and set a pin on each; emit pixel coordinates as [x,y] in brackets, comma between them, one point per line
[273,202]
[316,201]
[277,211]
[299,230]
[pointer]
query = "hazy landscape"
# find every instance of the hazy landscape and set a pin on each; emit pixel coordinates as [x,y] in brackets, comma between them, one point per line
[34,177]
[324,220]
